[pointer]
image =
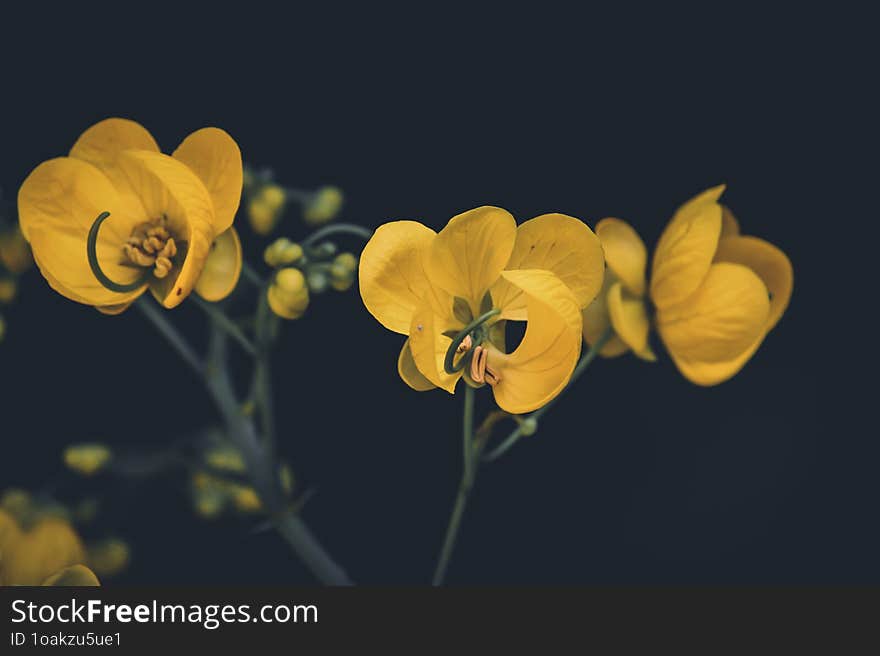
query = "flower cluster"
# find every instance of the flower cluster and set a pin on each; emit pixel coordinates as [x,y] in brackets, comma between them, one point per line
[266,201]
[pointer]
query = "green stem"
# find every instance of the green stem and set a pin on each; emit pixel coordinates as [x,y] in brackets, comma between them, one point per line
[261,469]
[471,465]
[519,431]
[337,228]
[152,312]
[262,382]
[230,327]
[247,271]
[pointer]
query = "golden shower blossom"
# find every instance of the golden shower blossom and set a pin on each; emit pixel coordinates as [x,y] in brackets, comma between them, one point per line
[716,293]
[478,272]
[162,222]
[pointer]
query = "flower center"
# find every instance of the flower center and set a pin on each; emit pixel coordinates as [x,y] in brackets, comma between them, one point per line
[151,245]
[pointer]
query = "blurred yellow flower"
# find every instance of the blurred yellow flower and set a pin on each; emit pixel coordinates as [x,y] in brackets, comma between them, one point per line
[323,205]
[716,292]
[86,459]
[266,207]
[49,553]
[8,289]
[478,272]
[15,254]
[108,557]
[153,219]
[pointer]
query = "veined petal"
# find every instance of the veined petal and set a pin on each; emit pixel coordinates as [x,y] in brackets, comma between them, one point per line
[625,253]
[391,273]
[469,254]
[73,576]
[222,268]
[770,263]
[721,319]
[597,320]
[540,367]
[168,188]
[428,345]
[686,248]
[215,157]
[409,372]
[629,318]
[102,143]
[57,204]
[558,243]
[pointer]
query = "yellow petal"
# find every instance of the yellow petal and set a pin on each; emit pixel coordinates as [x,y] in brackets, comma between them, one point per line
[10,534]
[712,373]
[113,310]
[729,224]
[629,318]
[169,188]
[215,157]
[540,367]
[721,319]
[409,372]
[39,553]
[73,576]
[561,244]
[428,345]
[391,272]
[222,268]
[596,321]
[57,204]
[625,253]
[770,263]
[686,248]
[102,143]
[469,254]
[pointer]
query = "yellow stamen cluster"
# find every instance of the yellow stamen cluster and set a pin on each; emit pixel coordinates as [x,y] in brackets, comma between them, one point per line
[151,245]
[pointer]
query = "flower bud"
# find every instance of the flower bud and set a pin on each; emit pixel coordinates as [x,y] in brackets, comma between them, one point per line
[87,459]
[2,328]
[15,254]
[108,557]
[8,290]
[262,216]
[323,205]
[246,499]
[16,502]
[273,196]
[528,426]
[318,281]
[342,271]
[289,295]
[225,458]
[285,477]
[282,252]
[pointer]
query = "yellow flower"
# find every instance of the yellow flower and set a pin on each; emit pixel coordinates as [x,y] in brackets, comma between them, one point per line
[480,271]
[716,293]
[155,221]
[50,553]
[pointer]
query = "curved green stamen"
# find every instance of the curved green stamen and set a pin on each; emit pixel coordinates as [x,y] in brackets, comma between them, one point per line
[92,251]
[459,338]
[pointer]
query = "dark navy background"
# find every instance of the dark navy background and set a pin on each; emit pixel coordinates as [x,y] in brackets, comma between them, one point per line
[637,476]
